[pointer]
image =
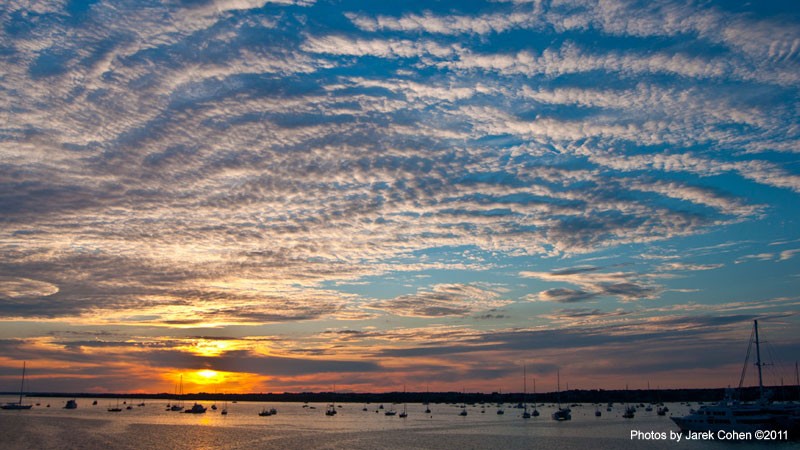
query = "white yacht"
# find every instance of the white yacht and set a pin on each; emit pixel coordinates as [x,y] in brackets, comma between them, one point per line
[732,415]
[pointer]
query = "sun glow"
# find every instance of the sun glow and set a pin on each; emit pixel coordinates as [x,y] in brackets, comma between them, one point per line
[208,373]
[209,380]
[202,379]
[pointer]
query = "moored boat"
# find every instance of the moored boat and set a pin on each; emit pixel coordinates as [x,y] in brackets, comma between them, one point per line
[629,413]
[268,412]
[196,409]
[731,415]
[18,405]
[561,414]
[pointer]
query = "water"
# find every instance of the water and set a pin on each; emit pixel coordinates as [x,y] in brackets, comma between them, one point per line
[296,427]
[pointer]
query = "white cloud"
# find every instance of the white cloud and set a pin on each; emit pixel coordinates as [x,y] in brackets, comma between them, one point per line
[13,287]
[448,25]
[594,283]
[383,48]
[788,254]
[677,266]
[443,300]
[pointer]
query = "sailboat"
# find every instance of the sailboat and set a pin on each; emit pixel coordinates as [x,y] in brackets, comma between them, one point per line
[630,410]
[525,413]
[404,414]
[116,408]
[18,405]
[535,412]
[427,401]
[500,410]
[730,414]
[331,411]
[268,412]
[561,414]
[178,407]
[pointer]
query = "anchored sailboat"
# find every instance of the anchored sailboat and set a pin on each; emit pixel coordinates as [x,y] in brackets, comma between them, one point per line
[115,408]
[730,414]
[331,411]
[525,413]
[404,414]
[18,405]
[178,407]
[561,414]
[630,410]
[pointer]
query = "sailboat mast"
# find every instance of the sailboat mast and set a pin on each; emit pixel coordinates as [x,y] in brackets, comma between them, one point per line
[22,383]
[524,383]
[797,378]
[558,378]
[758,360]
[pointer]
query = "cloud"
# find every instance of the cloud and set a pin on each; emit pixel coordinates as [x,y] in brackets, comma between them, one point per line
[227,5]
[563,295]
[448,25]
[25,287]
[677,266]
[627,286]
[788,254]
[342,45]
[443,300]
[763,172]
[752,38]
[263,165]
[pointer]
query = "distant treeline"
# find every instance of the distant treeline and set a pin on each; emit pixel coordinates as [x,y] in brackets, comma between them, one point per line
[780,393]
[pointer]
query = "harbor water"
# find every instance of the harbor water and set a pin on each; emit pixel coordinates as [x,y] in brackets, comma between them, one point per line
[305,426]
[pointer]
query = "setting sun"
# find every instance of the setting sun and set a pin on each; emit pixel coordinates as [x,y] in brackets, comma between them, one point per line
[202,379]
[208,374]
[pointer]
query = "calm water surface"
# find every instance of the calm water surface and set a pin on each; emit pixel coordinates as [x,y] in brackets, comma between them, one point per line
[296,427]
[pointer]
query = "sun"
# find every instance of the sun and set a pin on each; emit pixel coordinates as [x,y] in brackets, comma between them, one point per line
[207,374]
[210,380]
[204,377]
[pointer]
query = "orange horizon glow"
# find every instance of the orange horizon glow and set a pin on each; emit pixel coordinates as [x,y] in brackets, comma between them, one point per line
[210,380]
[128,376]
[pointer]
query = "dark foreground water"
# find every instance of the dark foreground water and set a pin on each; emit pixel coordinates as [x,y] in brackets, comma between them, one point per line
[299,427]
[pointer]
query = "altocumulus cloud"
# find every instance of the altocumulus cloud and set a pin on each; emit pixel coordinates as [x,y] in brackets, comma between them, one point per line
[261,162]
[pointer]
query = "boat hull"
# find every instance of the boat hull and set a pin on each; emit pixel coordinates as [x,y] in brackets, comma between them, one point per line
[15,406]
[742,418]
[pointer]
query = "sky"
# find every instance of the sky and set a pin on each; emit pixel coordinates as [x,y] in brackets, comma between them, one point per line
[297,195]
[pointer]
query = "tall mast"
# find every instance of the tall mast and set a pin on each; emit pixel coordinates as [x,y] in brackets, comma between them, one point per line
[22,383]
[558,375]
[758,360]
[524,383]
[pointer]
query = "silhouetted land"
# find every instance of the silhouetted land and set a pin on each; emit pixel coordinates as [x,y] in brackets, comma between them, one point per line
[780,393]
